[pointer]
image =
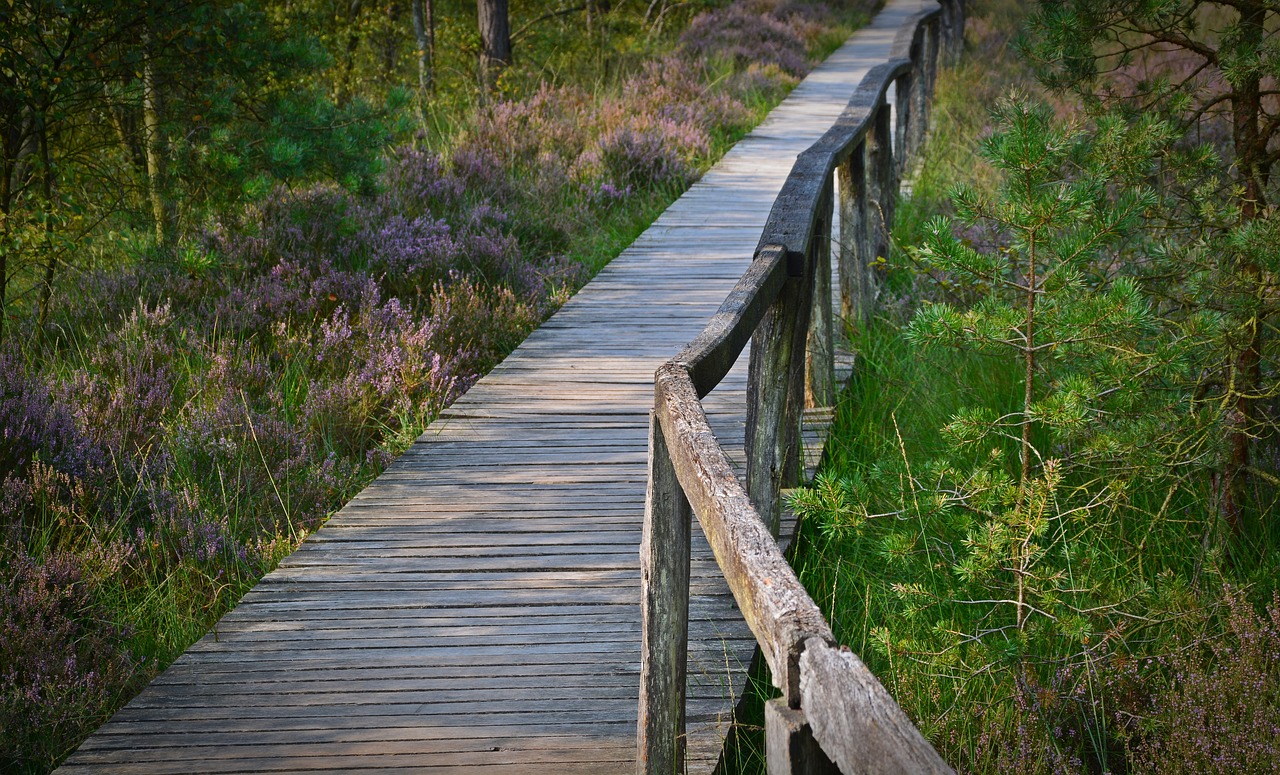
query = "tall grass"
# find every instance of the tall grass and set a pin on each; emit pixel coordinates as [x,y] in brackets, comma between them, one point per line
[1120,693]
[1150,655]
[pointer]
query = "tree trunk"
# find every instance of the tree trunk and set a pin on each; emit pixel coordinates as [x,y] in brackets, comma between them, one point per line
[1030,292]
[16,125]
[1028,398]
[424,29]
[157,188]
[495,40]
[1251,152]
[46,189]
[344,89]
[126,128]
[390,51]
[6,207]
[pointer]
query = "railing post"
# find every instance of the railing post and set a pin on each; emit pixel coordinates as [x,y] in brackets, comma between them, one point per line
[933,62]
[775,396]
[789,745]
[953,22]
[917,85]
[882,192]
[664,579]
[903,106]
[857,291]
[924,54]
[820,365]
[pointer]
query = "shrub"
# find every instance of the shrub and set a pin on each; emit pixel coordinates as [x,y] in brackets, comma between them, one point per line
[761,33]
[61,659]
[1220,709]
[35,426]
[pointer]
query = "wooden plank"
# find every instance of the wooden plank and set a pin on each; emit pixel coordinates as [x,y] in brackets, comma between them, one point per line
[613,746]
[293,761]
[664,607]
[434,766]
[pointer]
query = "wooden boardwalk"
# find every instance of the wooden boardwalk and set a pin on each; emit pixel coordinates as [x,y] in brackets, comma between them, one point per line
[477,607]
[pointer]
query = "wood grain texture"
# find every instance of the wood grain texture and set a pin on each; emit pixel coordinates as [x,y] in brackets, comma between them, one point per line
[855,720]
[774,603]
[476,609]
[775,395]
[790,747]
[820,374]
[664,605]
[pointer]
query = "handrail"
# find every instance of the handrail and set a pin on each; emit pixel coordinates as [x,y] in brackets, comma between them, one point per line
[834,715]
[708,358]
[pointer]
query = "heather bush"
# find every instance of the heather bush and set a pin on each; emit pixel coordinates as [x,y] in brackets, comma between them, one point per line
[130,385]
[62,659]
[676,89]
[372,364]
[36,426]
[1219,710]
[644,154]
[539,133]
[760,32]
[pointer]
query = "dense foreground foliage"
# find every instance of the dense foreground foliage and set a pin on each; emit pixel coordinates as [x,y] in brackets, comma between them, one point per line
[1036,521]
[200,384]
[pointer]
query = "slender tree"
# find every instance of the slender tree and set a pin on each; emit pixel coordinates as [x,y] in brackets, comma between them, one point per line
[154,143]
[1210,67]
[1046,313]
[424,31]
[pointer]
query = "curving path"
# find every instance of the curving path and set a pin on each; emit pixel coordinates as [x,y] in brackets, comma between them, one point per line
[476,609]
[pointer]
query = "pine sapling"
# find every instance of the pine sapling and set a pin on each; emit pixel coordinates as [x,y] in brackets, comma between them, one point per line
[1044,310]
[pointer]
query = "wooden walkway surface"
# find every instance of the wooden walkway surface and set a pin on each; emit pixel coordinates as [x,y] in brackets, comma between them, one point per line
[476,609]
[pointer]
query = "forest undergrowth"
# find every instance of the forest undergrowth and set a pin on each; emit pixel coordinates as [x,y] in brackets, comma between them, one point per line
[1026,522]
[179,412]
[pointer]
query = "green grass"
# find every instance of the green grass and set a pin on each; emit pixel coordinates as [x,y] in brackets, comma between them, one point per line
[1137,572]
[744,745]
[887,580]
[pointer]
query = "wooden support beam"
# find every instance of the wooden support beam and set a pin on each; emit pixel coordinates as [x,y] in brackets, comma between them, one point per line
[789,745]
[775,396]
[820,361]
[855,720]
[882,192]
[664,624]
[953,29]
[902,105]
[857,289]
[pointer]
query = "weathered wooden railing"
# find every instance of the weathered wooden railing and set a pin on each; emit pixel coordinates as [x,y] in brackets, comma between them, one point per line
[833,713]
